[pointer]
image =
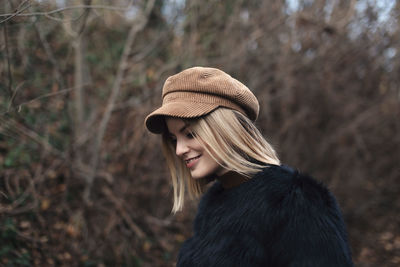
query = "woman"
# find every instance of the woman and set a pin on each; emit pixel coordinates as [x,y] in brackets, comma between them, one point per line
[257,212]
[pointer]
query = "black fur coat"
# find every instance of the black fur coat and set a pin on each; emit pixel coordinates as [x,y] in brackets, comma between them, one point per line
[278,218]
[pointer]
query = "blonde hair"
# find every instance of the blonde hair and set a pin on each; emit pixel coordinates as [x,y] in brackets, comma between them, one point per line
[231,139]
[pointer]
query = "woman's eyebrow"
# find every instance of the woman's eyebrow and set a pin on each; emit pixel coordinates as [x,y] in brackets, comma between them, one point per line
[183,128]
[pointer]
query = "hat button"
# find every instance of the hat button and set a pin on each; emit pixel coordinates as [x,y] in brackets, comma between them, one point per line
[205,75]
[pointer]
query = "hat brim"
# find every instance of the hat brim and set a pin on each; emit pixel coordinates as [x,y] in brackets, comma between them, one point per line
[155,121]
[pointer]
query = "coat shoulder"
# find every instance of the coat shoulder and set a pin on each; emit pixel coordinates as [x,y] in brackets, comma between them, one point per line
[288,186]
[310,223]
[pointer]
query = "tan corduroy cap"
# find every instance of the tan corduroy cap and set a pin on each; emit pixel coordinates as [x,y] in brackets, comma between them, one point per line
[196,92]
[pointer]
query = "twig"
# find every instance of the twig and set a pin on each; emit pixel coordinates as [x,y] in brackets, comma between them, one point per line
[78,79]
[8,186]
[17,13]
[166,222]
[349,127]
[113,97]
[20,129]
[11,103]
[10,91]
[63,91]
[11,209]
[79,76]
[85,17]
[61,20]
[120,207]
[32,135]
[49,54]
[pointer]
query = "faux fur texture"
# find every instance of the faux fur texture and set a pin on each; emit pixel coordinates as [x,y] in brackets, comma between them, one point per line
[278,218]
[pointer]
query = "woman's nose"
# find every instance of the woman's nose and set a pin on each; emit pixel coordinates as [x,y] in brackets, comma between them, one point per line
[181,148]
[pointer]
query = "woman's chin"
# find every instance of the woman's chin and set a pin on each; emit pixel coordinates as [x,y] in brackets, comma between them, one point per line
[197,175]
[194,176]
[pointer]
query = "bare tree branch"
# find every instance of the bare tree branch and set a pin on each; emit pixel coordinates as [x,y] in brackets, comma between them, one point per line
[17,128]
[85,17]
[14,93]
[21,129]
[60,92]
[120,207]
[50,55]
[79,77]
[136,27]
[7,58]
[19,13]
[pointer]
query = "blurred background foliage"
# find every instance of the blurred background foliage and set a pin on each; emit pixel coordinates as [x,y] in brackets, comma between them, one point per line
[83,183]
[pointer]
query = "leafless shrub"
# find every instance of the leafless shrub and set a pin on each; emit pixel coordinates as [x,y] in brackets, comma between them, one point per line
[325,72]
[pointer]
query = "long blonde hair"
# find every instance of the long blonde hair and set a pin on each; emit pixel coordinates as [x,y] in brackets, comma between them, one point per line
[231,139]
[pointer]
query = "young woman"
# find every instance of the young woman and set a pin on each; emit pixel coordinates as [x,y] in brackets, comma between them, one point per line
[257,212]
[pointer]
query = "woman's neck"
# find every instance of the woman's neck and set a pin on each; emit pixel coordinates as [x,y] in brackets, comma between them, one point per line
[232,179]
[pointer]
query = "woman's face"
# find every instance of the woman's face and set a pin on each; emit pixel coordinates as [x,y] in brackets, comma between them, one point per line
[187,148]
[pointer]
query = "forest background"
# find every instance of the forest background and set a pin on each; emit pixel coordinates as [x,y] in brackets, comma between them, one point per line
[82,183]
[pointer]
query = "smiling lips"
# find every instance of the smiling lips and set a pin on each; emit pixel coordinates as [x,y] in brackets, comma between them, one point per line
[192,161]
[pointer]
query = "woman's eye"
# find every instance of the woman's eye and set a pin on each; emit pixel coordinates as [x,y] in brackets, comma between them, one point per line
[190,135]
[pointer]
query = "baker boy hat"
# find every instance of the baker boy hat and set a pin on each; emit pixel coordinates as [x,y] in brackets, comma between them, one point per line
[196,92]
